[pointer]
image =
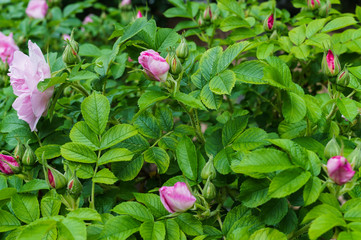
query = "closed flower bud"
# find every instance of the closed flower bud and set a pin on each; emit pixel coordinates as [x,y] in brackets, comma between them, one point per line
[175,65]
[70,54]
[19,151]
[355,157]
[343,78]
[182,50]
[177,198]
[268,23]
[56,179]
[200,21]
[209,190]
[74,187]
[139,14]
[332,149]
[313,4]
[29,157]
[155,66]
[8,165]
[325,9]
[339,170]
[208,170]
[330,64]
[207,14]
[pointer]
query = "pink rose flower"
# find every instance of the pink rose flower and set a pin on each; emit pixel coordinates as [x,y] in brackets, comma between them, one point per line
[7,48]
[37,9]
[66,37]
[139,14]
[88,19]
[126,2]
[8,164]
[25,73]
[154,65]
[177,198]
[339,170]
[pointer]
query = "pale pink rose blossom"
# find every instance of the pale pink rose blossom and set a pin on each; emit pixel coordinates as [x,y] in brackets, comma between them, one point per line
[177,198]
[339,170]
[8,164]
[154,65]
[126,2]
[25,73]
[66,37]
[139,14]
[88,19]
[37,9]
[7,48]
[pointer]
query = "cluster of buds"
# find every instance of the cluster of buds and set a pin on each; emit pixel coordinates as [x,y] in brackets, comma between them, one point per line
[207,17]
[70,54]
[175,66]
[209,173]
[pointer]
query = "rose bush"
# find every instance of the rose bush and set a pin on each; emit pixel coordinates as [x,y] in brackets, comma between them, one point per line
[179,120]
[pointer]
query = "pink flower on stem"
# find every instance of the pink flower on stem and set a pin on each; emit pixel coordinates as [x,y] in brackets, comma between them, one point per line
[7,48]
[8,164]
[25,73]
[177,198]
[139,14]
[37,9]
[126,2]
[154,65]
[339,170]
[66,37]
[88,19]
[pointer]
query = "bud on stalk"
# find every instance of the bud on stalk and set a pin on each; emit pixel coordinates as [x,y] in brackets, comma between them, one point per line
[313,4]
[29,157]
[208,170]
[19,151]
[330,64]
[182,50]
[207,14]
[70,54]
[332,148]
[174,63]
[56,179]
[343,79]
[268,23]
[139,14]
[355,157]
[325,9]
[74,186]
[8,165]
[209,190]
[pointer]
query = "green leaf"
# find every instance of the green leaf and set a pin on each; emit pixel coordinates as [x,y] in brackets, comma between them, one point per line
[132,29]
[187,158]
[148,125]
[39,229]
[115,155]
[339,23]
[177,12]
[117,134]
[353,214]
[292,130]
[293,108]
[312,190]
[233,216]
[254,192]
[264,50]
[223,160]
[274,211]
[81,133]
[250,72]
[50,82]
[209,99]
[25,207]
[172,229]
[263,161]
[298,34]
[89,50]
[189,224]
[165,38]
[105,176]
[120,227]
[135,210]
[78,153]
[230,54]
[82,75]
[250,139]
[7,221]
[50,206]
[11,122]
[127,171]
[287,182]
[6,193]
[268,234]
[319,210]
[233,129]
[158,156]
[152,230]
[152,202]
[50,151]
[189,100]
[314,26]
[150,97]
[85,214]
[348,108]
[71,229]
[209,62]
[233,22]
[223,83]
[165,118]
[314,112]
[278,74]
[95,110]
[324,223]
[34,185]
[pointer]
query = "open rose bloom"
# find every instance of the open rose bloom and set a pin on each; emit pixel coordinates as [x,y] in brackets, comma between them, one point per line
[339,170]
[37,9]
[25,73]
[177,198]
[7,48]
[154,65]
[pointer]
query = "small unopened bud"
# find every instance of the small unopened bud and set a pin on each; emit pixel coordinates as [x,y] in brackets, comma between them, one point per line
[174,63]
[200,21]
[209,190]
[8,165]
[208,170]
[74,187]
[325,8]
[355,157]
[330,64]
[19,151]
[139,14]
[70,54]
[313,4]
[332,148]
[182,50]
[56,179]
[29,157]
[268,23]
[207,14]
[343,78]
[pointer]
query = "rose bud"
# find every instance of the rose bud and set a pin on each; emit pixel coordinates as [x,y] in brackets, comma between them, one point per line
[175,64]
[332,149]
[56,179]
[268,23]
[8,165]
[209,190]
[139,14]
[355,157]
[74,187]
[200,21]
[208,170]
[29,157]
[325,9]
[177,198]
[37,9]
[154,65]
[207,14]
[19,151]
[339,170]
[343,79]
[313,4]
[182,50]
[330,64]
[70,54]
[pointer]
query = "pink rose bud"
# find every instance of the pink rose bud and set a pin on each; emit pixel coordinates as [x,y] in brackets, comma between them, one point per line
[177,198]
[25,73]
[88,19]
[56,178]
[313,4]
[139,14]
[154,65]
[339,170]
[37,9]
[330,64]
[8,164]
[207,14]
[7,48]
[66,37]
[126,2]
[269,23]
